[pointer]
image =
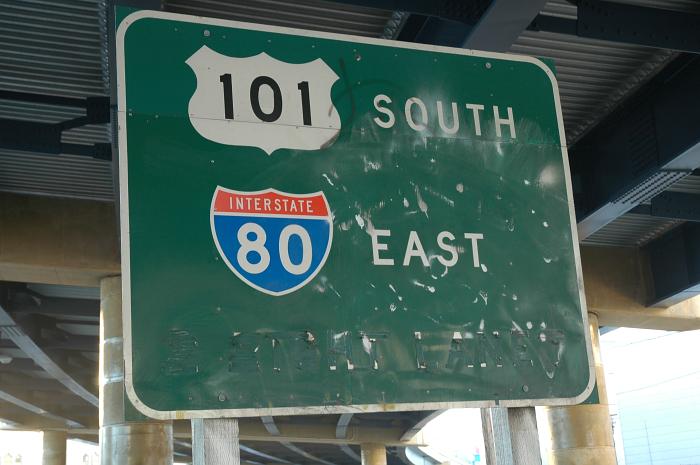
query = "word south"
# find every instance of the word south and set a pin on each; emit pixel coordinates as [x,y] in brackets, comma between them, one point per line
[419,115]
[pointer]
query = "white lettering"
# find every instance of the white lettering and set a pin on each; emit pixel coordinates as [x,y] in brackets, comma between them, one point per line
[381,98]
[414,248]
[474,237]
[306,252]
[441,119]
[409,116]
[447,248]
[477,118]
[256,245]
[377,247]
[510,121]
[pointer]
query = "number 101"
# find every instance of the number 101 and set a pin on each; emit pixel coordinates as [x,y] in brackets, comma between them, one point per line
[255,86]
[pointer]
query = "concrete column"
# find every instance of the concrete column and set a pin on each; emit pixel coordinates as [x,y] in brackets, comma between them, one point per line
[54,448]
[373,454]
[582,434]
[121,442]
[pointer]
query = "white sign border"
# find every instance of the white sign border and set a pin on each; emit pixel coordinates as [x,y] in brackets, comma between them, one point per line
[320,409]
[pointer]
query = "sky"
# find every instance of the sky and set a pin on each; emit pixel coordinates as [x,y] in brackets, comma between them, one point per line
[633,359]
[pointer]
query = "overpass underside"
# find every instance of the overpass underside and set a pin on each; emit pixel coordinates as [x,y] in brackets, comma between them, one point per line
[630,103]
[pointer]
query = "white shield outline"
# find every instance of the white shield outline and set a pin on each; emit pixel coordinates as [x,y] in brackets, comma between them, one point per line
[275,191]
[267,136]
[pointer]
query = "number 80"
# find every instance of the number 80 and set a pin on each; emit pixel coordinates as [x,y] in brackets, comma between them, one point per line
[257,245]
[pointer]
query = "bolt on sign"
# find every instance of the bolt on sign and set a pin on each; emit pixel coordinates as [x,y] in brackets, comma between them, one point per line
[318,223]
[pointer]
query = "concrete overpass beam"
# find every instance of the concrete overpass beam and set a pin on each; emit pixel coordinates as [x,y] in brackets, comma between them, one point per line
[618,290]
[75,242]
[57,241]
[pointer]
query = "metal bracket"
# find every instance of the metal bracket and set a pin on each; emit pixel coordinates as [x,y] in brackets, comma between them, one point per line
[453,10]
[631,24]
[641,149]
[673,261]
[672,205]
[32,136]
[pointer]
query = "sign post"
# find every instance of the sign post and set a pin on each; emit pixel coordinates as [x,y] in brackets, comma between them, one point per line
[315,223]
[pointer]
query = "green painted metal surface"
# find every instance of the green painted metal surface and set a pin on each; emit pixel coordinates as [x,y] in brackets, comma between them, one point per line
[361,334]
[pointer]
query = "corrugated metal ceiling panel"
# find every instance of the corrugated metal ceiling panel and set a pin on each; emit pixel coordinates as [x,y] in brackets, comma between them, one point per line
[560,8]
[689,185]
[56,48]
[688,6]
[52,47]
[631,230]
[55,175]
[306,14]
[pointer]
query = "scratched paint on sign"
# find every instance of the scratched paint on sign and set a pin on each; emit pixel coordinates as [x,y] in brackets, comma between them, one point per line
[318,224]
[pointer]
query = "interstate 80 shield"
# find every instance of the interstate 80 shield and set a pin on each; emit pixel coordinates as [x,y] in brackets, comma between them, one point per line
[315,223]
[299,228]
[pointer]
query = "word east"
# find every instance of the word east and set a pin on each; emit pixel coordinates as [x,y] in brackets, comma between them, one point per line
[414,250]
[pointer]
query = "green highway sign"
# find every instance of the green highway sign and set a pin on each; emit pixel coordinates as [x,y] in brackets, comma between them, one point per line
[317,223]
